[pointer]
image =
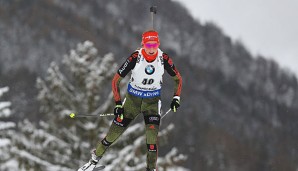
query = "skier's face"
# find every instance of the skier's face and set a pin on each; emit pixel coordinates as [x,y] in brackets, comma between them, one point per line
[151,47]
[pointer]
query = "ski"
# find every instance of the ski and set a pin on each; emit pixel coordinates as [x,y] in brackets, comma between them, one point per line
[98,168]
[91,167]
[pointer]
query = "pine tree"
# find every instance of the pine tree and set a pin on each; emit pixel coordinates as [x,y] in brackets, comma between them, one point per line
[6,131]
[81,85]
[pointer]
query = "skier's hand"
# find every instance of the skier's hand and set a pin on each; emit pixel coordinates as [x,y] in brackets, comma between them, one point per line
[118,110]
[175,103]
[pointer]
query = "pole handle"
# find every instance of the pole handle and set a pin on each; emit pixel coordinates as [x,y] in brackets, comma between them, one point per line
[153,10]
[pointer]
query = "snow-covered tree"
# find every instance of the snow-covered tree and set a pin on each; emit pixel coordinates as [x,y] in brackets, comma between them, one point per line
[82,86]
[6,131]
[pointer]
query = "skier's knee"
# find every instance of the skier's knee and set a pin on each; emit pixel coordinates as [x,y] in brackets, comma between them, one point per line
[152,147]
[152,119]
[122,122]
[105,142]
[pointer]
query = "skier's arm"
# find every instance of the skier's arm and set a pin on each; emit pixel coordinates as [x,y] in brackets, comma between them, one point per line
[124,69]
[173,71]
[115,88]
[178,84]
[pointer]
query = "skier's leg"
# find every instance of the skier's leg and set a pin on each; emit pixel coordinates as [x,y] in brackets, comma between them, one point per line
[151,111]
[118,126]
[116,129]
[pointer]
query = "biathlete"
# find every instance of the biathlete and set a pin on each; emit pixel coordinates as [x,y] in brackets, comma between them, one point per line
[143,96]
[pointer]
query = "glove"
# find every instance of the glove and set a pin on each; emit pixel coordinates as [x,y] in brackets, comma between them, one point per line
[175,103]
[118,110]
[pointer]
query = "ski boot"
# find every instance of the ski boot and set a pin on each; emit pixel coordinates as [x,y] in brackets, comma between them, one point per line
[92,162]
[147,169]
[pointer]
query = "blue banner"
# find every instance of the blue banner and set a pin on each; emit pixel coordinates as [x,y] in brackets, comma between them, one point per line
[141,93]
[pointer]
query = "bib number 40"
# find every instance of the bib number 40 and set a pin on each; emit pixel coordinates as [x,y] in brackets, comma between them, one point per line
[147,81]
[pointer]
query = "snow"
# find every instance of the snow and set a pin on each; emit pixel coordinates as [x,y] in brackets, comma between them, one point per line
[133,128]
[46,164]
[4,111]
[89,126]
[4,142]
[12,164]
[3,90]
[6,125]
[177,169]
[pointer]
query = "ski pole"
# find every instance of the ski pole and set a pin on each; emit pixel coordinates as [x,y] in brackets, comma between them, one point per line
[73,115]
[162,116]
[153,10]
